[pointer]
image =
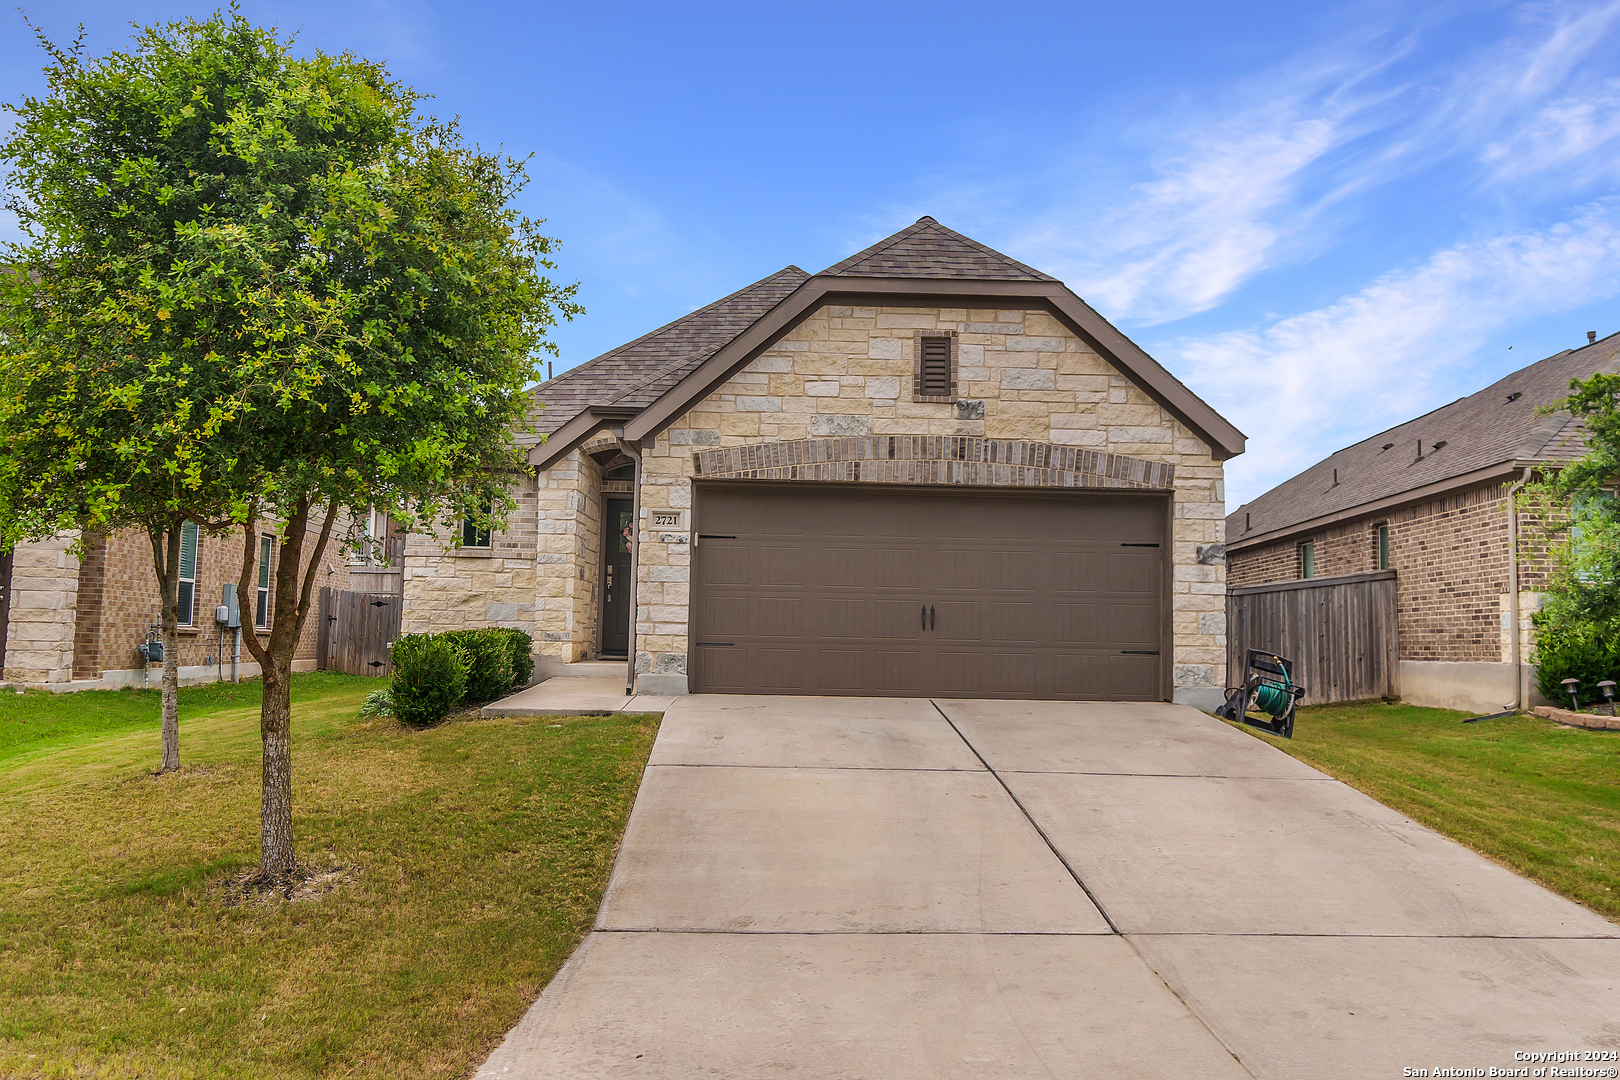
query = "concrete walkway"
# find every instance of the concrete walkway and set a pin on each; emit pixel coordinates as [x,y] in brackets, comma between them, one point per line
[841,888]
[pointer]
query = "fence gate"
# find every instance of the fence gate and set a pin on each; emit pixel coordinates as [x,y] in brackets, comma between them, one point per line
[1339,631]
[356,630]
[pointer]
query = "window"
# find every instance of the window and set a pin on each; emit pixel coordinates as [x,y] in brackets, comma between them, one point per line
[188,573]
[1383,547]
[471,535]
[1307,560]
[261,600]
[934,367]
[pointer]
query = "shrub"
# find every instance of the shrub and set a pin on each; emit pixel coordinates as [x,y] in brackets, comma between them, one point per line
[379,703]
[521,648]
[1576,650]
[430,677]
[489,662]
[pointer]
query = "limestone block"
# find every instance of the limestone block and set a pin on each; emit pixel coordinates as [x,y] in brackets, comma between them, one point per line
[1195,675]
[882,388]
[907,320]
[1008,428]
[1037,344]
[838,425]
[694,437]
[1211,622]
[969,355]
[1091,440]
[821,388]
[1027,379]
[1159,437]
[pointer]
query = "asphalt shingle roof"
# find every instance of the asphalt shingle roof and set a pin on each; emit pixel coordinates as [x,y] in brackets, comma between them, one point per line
[636,373]
[928,249]
[1499,424]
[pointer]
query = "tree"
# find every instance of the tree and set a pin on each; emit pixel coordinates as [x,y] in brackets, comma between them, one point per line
[349,298]
[1578,627]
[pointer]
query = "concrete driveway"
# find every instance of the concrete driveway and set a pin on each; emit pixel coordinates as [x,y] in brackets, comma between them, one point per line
[887,889]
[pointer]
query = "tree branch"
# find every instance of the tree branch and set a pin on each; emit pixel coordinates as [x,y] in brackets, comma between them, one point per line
[314,563]
[250,559]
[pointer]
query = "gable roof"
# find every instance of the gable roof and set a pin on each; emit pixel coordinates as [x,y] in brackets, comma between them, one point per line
[636,372]
[651,382]
[1488,432]
[928,249]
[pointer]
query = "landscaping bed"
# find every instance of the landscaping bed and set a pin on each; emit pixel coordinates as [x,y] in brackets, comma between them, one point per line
[1537,796]
[455,868]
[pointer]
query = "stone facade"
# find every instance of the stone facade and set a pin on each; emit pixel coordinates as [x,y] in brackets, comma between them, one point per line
[846,372]
[450,587]
[1450,557]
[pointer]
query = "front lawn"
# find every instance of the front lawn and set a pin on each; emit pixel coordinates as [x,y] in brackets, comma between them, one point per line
[463,863]
[1536,796]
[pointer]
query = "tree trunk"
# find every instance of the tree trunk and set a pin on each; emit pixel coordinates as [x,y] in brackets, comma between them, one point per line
[166,561]
[276,855]
[290,608]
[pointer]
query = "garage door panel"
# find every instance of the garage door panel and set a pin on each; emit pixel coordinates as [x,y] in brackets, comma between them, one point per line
[1134,572]
[958,620]
[1012,674]
[895,568]
[722,670]
[780,565]
[898,671]
[724,617]
[841,568]
[845,590]
[896,620]
[844,620]
[1074,624]
[778,617]
[724,563]
[781,670]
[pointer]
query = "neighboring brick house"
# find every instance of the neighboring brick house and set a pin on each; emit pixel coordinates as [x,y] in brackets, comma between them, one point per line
[929,469]
[72,624]
[1430,500]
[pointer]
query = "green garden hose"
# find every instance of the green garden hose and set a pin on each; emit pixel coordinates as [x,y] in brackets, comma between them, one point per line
[1274,698]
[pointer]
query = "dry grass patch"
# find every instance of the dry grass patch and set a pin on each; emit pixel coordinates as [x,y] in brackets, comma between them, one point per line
[452,870]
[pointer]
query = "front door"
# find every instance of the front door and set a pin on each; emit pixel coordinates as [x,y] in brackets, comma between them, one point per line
[616,584]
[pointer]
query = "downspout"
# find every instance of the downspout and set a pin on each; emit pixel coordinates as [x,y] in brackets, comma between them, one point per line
[634,454]
[1513,591]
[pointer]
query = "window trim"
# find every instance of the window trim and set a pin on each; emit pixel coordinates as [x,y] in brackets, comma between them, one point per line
[917,366]
[187,613]
[261,590]
[1307,560]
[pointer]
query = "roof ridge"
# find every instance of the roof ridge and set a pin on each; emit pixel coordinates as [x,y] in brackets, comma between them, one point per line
[881,246]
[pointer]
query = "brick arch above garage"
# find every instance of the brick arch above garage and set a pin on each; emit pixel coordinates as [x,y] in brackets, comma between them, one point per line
[934,460]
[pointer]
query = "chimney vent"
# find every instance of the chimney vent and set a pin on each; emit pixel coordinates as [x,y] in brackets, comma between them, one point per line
[1591,336]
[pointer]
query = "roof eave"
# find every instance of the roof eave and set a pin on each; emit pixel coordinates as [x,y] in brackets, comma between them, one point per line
[1501,470]
[1224,440]
[575,431]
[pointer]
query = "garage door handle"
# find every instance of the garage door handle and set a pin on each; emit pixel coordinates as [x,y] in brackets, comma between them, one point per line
[931,622]
[924,615]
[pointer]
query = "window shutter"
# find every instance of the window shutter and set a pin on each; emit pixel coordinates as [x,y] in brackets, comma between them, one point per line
[188,551]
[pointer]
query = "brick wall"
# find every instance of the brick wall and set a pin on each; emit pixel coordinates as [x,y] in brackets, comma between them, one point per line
[1451,564]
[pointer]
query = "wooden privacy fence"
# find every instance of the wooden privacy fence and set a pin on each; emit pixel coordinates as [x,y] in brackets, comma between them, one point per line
[356,630]
[1338,631]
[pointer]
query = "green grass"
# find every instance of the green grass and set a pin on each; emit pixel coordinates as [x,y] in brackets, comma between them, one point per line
[1538,797]
[479,850]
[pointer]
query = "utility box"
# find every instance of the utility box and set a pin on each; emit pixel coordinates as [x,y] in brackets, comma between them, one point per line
[151,651]
[229,612]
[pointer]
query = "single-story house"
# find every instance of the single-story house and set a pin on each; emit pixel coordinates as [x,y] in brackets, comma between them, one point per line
[927,470]
[1431,500]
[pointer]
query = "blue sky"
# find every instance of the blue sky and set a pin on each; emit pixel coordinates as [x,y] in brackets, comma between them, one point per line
[1324,218]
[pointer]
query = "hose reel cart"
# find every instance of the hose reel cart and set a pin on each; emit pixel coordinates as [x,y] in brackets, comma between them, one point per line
[1268,689]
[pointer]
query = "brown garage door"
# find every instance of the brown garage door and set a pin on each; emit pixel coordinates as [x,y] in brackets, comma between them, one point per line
[811,589]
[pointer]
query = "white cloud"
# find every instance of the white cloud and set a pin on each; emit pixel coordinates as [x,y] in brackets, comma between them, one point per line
[1309,384]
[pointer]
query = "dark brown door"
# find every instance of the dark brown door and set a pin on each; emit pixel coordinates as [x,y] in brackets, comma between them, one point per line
[813,589]
[616,577]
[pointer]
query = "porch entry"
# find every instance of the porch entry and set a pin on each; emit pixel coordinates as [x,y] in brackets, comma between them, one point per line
[616,583]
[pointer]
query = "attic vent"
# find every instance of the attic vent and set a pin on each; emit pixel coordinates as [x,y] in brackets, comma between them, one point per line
[1386,446]
[934,372]
[1441,445]
[1516,395]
